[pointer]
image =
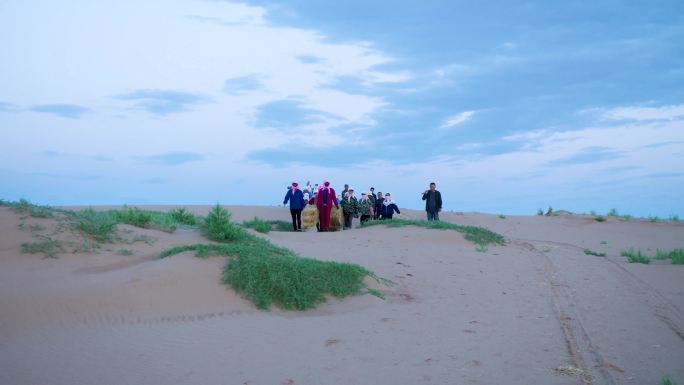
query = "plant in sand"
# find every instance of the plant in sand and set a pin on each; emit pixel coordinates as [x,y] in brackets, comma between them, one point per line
[667,381]
[590,252]
[477,235]
[635,256]
[217,226]
[49,247]
[133,216]
[183,216]
[258,224]
[268,274]
[97,224]
[265,226]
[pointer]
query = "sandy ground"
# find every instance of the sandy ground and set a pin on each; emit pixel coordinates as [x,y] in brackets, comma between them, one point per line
[509,315]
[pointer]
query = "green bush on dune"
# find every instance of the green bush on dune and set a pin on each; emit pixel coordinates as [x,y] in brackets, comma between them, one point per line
[217,226]
[477,235]
[268,274]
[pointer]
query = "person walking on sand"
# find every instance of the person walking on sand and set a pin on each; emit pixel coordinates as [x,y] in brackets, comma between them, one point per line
[378,206]
[389,207]
[365,208]
[433,202]
[324,201]
[297,204]
[350,208]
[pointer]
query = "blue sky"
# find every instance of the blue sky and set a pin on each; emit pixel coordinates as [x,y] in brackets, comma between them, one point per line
[509,106]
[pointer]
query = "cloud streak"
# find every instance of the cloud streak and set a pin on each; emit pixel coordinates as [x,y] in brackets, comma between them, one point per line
[172,158]
[163,102]
[457,119]
[645,113]
[70,111]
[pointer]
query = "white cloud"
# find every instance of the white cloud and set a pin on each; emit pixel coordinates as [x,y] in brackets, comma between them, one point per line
[644,113]
[85,53]
[457,119]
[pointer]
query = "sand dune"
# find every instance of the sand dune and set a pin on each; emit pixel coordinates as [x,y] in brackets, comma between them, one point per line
[509,315]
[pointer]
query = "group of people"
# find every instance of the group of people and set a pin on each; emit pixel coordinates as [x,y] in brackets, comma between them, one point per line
[369,206]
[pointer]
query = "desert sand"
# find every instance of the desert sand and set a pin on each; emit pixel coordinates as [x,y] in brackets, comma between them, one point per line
[508,315]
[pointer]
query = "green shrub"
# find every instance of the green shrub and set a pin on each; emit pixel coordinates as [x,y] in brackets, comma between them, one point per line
[217,226]
[667,381]
[477,235]
[258,224]
[133,216]
[26,207]
[97,224]
[600,218]
[590,252]
[268,274]
[677,256]
[48,247]
[183,216]
[635,256]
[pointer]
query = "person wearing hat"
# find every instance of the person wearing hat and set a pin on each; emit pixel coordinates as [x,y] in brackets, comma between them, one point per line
[350,208]
[297,203]
[365,207]
[324,201]
[389,207]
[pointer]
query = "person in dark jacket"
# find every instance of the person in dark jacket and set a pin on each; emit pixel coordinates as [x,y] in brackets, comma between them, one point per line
[389,207]
[378,206]
[297,203]
[433,202]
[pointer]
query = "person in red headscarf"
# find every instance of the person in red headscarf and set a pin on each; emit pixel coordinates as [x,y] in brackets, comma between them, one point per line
[324,201]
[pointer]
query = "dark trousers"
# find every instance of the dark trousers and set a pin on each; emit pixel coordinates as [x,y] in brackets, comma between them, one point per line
[433,215]
[364,218]
[348,220]
[296,218]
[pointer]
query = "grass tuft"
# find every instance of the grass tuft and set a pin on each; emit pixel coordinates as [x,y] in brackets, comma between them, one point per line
[258,224]
[653,219]
[477,235]
[265,226]
[667,381]
[125,252]
[635,256]
[97,224]
[590,252]
[133,216]
[36,211]
[599,218]
[49,247]
[268,274]
[183,216]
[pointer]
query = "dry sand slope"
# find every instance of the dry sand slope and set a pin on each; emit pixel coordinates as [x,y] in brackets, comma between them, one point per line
[509,315]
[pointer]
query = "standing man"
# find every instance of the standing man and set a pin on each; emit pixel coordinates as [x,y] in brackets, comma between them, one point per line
[433,202]
[324,201]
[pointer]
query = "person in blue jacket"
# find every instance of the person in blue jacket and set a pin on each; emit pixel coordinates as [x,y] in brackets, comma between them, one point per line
[296,198]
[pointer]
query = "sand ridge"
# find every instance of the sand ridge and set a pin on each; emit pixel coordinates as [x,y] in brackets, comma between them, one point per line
[455,315]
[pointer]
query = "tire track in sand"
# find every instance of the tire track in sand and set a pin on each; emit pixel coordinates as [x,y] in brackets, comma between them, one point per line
[576,337]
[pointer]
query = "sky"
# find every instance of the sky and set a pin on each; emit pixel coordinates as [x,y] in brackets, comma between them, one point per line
[509,106]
